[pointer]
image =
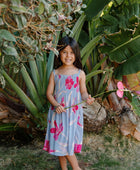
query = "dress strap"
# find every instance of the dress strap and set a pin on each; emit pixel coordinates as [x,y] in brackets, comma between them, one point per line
[54,72]
[79,72]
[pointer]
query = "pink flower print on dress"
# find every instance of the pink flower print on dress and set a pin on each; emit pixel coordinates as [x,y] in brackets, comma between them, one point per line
[62,102]
[59,76]
[47,147]
[77,148]
[77,84]
[79,122]
[56,130]
[74,108]
[120,89]
[69,82]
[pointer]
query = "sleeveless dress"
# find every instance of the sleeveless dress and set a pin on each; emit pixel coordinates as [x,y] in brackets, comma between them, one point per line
[65,130]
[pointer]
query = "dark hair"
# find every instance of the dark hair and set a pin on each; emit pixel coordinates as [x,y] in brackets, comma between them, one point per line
[64,42]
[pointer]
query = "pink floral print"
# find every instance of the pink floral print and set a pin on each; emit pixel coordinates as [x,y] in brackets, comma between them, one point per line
[47,147]
[77,148]
[77,84]
[62,102]
[79,122]
[74,108]
[69,82]
[56,130]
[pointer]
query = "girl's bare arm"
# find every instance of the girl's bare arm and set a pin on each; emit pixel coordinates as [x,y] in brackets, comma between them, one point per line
[50,97]
[50,90]
[83,89]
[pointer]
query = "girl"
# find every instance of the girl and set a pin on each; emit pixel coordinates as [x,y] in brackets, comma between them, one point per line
[66,88]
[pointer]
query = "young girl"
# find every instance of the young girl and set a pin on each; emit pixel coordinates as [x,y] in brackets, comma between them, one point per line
[66,88]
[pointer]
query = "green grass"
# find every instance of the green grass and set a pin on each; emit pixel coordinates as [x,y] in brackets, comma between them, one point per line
[108,150]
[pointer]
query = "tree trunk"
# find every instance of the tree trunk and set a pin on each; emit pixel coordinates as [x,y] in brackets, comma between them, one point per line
[95,117]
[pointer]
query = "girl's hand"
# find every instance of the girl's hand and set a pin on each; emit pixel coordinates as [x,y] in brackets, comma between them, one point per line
[90,100]
[59,109]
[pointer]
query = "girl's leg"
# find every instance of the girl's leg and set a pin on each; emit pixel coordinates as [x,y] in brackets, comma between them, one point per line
[73,161]
[63,162]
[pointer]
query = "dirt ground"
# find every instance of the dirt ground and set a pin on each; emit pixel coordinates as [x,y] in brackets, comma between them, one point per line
[108,150]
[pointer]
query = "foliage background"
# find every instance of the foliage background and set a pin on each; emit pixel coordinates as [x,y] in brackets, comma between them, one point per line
[108,37]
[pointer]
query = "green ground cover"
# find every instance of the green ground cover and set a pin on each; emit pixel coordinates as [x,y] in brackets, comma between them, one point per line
[108,150]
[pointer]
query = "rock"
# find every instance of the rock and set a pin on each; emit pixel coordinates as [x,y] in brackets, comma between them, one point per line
[94,117]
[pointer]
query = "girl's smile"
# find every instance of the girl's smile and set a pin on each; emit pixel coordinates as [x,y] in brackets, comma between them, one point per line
[67,56]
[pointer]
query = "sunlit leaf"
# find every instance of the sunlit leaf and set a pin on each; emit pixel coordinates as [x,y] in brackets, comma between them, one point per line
[19,21]
[88,76]
[132,81]
[41,8]
[6,35]
[16,2]
[136,104]
[10,51]
[94,7]
[3,5]
[21,9]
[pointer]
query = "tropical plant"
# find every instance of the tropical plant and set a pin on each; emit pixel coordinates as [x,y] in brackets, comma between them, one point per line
[89,41]
[120,24]
[29,35]
[117,51]
[122,39]
[28,38]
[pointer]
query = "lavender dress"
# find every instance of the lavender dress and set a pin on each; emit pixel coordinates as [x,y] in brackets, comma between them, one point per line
[65,131]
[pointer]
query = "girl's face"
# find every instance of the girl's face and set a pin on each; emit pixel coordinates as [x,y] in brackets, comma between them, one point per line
[67,56]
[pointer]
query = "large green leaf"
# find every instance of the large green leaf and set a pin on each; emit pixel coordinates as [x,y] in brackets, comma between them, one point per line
[136,104]
[85,52]
[8,127]
[25,99]
[75,33]
[30,85]
[121,16]
[94,7]
[119,54]
[93,73]
[132,65]
[35,75]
